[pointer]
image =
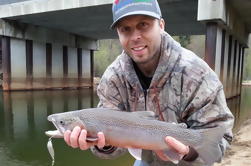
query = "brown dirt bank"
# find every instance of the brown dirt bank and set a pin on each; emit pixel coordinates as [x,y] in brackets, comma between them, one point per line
[239,154]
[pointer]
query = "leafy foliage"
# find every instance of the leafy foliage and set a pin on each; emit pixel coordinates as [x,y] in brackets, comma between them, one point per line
[108,51]
[185,40]
[247,64]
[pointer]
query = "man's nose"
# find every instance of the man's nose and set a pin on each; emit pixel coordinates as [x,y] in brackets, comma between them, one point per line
[136,35]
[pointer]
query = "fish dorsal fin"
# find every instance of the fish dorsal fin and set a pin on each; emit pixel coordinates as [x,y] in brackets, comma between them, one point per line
[136,153]
[183,125]
[145,114]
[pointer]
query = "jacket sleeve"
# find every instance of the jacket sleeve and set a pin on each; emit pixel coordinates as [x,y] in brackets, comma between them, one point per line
[109,98]
[203,105]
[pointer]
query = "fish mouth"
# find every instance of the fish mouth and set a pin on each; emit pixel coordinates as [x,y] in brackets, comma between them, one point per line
[49,118]
[60,129]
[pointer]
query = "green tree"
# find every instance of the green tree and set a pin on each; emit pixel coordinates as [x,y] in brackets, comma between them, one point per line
[247,64]
[109,49]
[184,40]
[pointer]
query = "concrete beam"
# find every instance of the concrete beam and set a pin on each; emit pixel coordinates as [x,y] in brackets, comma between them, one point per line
[40,34]
[6,59]
[38,6]
[223,13]
[4,2]
[211,10]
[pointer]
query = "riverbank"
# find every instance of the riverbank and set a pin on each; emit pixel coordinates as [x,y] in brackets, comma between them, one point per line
[246,83]
[239,154]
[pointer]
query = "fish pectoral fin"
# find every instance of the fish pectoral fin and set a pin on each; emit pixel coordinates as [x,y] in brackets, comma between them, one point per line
[150,115]
[172,155]
[136,153]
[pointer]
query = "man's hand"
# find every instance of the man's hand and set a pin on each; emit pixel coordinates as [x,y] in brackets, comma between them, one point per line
[77,138]
[176,146]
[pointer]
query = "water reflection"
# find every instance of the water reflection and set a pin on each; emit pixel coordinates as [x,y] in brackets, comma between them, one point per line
[23,122]
[241,107]
[234,106]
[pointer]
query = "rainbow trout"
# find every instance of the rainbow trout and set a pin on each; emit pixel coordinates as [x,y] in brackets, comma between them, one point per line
[138,130]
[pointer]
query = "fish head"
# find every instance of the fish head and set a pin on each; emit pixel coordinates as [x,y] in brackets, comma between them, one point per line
[64,121]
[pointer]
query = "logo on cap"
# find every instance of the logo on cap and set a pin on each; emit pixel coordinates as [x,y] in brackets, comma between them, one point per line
[122,3]
[116,1]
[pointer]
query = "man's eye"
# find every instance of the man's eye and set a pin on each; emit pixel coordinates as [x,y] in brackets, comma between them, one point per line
[144,25]
[125,29]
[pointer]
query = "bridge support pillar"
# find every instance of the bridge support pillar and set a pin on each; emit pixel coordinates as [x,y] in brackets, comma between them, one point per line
[41,58]
[226,40]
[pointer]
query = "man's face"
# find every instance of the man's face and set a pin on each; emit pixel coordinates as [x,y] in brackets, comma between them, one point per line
[140,37]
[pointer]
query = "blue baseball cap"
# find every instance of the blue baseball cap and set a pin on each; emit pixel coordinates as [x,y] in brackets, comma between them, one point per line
[123,8]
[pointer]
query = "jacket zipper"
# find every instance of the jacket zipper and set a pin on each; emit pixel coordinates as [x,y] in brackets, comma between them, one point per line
[145,94]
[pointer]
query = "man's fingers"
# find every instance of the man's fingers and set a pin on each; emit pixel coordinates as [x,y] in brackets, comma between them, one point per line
[177,151]
[67,137]
[83,145]
[177,145]
[101,140]
[77,138]
[74,137]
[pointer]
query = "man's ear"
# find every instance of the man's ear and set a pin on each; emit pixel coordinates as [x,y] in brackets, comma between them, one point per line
[162,24]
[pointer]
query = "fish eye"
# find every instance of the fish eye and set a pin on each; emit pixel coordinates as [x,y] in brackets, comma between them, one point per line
[61,122]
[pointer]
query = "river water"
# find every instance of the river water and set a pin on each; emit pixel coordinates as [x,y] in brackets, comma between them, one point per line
[23,123]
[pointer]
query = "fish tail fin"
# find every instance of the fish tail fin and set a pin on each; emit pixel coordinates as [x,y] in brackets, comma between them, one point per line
[209,149]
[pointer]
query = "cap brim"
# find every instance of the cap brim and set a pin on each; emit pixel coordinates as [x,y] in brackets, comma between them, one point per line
[151,14]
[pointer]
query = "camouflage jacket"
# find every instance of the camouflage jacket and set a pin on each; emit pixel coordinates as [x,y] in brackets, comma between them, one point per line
[183,89]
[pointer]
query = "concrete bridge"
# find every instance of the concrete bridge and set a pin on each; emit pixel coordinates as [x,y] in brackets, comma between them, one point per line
[50,43]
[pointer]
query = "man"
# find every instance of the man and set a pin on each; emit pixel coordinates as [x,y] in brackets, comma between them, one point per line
[155,73]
